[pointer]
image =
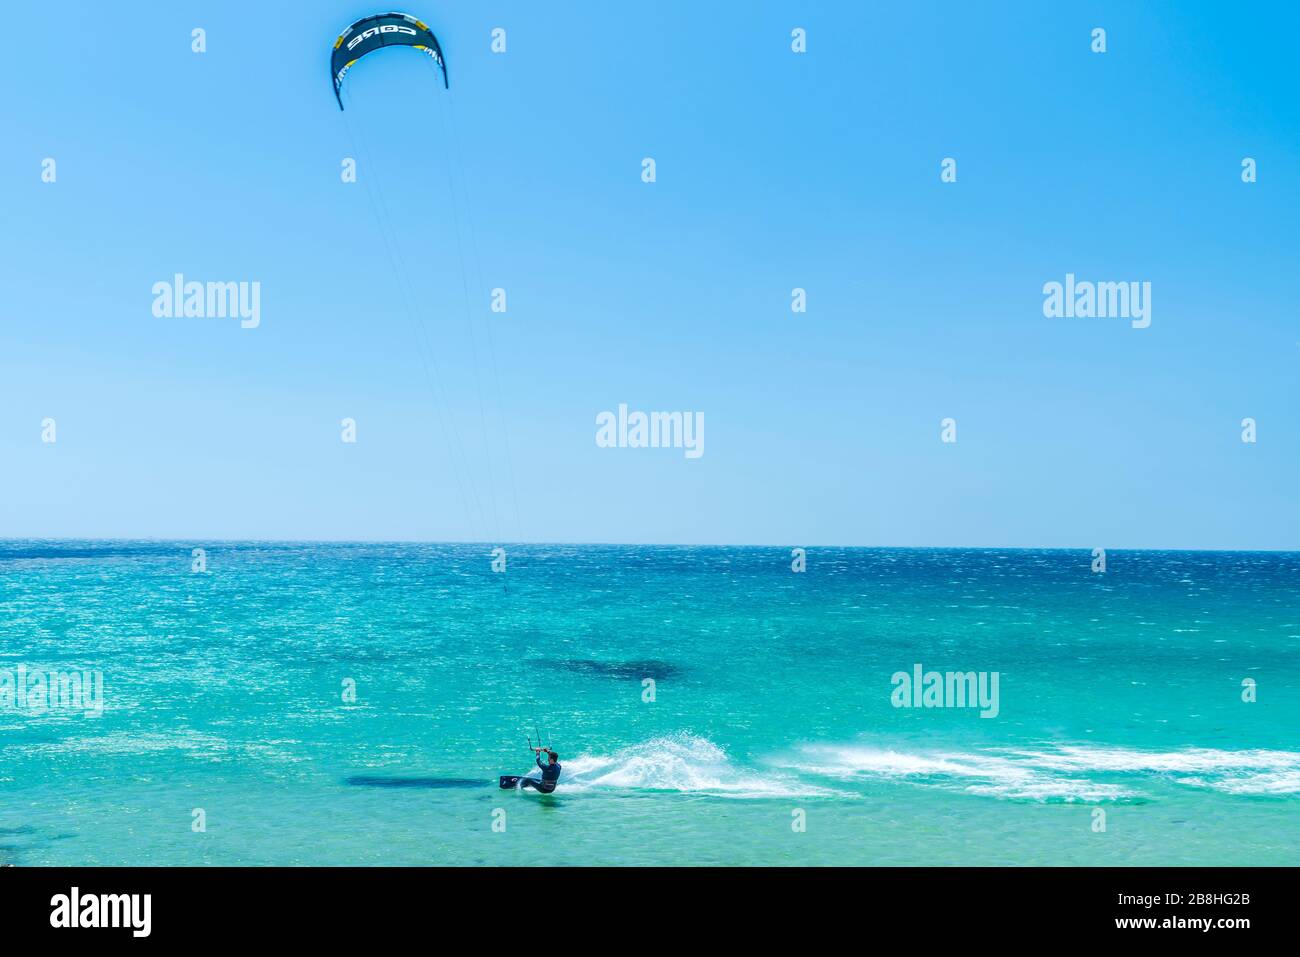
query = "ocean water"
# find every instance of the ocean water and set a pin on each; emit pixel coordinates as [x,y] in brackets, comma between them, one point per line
[772,736]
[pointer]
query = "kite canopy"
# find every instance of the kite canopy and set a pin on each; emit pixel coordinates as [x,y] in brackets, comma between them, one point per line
[374,33]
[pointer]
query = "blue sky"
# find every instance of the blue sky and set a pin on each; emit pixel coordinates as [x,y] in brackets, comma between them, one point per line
[774,171]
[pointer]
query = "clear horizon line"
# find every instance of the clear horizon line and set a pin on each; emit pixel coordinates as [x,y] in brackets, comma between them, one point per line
[607,544]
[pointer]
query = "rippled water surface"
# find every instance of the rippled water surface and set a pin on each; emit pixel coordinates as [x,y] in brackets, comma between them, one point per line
[226,698]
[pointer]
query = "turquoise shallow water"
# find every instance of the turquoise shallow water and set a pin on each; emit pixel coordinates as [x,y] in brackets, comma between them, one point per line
[224,691]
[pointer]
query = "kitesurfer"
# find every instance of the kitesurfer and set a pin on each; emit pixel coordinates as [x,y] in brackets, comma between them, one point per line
[550,772]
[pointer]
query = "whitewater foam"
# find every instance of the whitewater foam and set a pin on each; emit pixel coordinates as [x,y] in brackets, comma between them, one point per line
[1232,772]
[974,772]
[1065,773]
[684,763]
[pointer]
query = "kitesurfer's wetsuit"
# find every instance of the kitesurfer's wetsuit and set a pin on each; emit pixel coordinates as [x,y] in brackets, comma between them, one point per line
[550,776]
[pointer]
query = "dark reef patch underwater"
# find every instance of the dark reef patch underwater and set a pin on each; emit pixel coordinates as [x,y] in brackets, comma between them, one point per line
[649,668]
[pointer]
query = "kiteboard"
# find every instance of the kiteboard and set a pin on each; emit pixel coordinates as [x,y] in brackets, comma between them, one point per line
[509,781]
